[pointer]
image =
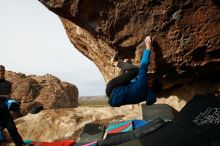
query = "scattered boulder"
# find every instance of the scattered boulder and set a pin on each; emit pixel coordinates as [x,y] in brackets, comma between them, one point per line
[37,92]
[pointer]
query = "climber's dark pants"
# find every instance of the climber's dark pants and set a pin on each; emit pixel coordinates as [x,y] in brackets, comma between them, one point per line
[7,122]
[123,79]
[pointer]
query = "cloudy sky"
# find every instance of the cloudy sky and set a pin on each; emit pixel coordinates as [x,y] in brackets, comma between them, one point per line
[33,41]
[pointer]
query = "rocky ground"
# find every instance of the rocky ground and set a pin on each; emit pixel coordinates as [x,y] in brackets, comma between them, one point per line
[52,125]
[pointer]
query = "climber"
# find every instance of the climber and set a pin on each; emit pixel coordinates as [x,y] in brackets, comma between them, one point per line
[123,90]
[6,121]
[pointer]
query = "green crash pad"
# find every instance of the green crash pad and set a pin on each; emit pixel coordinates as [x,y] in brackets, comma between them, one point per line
[92,132]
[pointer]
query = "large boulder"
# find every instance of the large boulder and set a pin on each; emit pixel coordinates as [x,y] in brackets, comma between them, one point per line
[186,34]
[58,124]
[47,91]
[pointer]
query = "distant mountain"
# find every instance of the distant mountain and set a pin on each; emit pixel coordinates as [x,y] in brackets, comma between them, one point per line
[93,100]
[93,97]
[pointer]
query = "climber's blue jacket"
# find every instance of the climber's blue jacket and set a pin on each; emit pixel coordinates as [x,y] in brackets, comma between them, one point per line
[134,92]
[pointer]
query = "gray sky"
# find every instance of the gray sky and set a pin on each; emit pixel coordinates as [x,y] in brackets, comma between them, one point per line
[33,41]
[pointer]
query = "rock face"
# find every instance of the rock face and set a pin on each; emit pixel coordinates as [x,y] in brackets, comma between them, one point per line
[186,34]
[45,90]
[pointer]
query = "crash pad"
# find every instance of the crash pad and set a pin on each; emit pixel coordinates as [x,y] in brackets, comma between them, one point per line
[57,143]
